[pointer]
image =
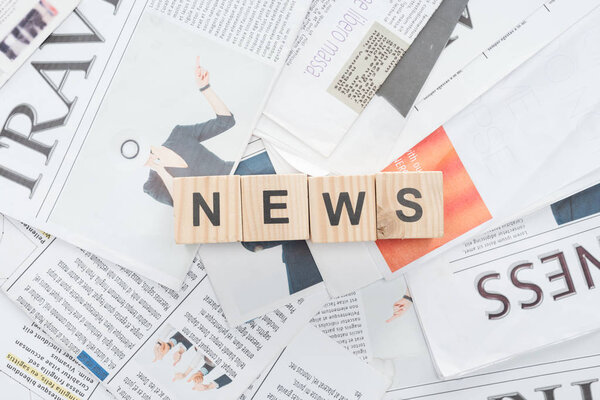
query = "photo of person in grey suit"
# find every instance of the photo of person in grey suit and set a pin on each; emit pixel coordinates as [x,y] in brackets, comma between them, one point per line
[183,153]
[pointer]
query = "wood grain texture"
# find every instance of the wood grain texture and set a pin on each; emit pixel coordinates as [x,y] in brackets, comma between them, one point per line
[337,224]
[230,216]
[429,186]
[287,216]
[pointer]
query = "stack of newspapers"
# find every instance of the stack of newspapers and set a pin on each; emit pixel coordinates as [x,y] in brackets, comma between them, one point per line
[104,102]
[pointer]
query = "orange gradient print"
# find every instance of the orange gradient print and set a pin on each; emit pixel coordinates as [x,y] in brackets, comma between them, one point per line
[464,208]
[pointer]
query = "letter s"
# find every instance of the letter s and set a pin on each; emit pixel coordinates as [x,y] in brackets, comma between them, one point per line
[418,210]
[539,295]
[504,310]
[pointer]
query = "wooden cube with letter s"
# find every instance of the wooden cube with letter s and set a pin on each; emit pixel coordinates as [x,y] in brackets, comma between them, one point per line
[410,205]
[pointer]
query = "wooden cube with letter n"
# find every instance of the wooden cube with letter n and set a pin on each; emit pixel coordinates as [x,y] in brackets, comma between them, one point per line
[342,208]
[410,205]
[274,207]
[207,209]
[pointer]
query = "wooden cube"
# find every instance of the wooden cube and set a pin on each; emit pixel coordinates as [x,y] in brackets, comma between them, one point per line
[342,208]
[207,209]
[274,207]
[410,205]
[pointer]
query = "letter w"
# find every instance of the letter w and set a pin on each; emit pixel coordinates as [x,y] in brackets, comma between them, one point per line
[213,215]
[344,201]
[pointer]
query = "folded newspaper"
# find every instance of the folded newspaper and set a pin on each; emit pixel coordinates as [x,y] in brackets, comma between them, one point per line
[341,57]
[370,322]
[125,96]
[373,135]
[489,42]
[521,286]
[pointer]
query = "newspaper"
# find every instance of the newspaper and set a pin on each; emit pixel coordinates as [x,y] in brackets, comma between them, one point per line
[504,153]
[379,324]
[24,25]
[123,97]
[341,57]
[567,371]
[313,366]
[489,41]
[456,81]
[33,365]
[535,275]
[144,340]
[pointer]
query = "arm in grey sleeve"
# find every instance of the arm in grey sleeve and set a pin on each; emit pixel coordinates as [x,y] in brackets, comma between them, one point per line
[210,128]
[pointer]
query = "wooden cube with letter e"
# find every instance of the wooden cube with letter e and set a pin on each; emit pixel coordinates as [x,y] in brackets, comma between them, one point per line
[275,207]
[207,209]
[342,208]
[410,205]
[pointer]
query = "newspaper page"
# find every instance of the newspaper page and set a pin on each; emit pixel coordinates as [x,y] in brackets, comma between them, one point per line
[253,278]
[33,365]
[454,84]
[343,320]
[567,371]
[498,39]
[313,366]
[505,153]
[143,340]
[122,98]
[566,379]
[379,324]
[342,55]
[535,275]
[24,25]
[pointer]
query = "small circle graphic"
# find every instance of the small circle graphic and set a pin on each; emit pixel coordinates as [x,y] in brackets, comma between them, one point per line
[130,149]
